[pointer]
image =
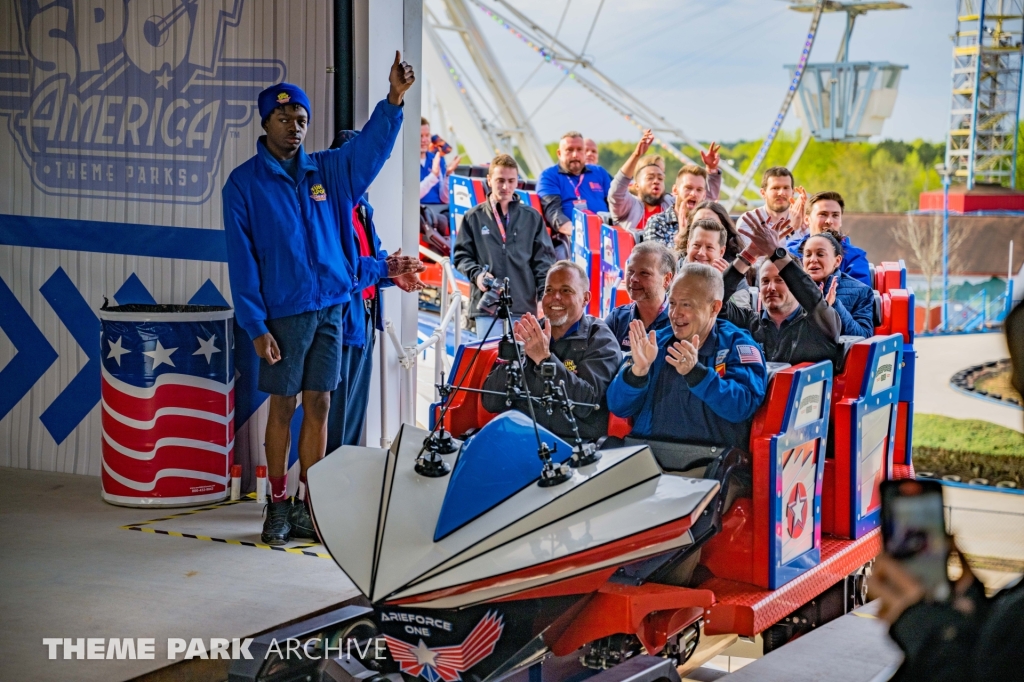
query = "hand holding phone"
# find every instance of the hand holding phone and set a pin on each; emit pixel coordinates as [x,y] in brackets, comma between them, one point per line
[914,533]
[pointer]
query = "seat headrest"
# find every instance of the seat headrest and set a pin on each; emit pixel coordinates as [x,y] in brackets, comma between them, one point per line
[846,343]
[774,367]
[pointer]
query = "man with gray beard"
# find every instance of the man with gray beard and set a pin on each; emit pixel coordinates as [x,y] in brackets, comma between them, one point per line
[582,350]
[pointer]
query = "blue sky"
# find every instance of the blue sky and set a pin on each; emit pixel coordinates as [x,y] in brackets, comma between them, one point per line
[715,67]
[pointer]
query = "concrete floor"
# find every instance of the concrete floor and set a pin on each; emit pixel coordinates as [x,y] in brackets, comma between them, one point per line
[70,570]
[939,358]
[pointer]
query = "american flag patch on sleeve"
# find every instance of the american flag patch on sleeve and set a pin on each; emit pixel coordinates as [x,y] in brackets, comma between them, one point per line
[749,354]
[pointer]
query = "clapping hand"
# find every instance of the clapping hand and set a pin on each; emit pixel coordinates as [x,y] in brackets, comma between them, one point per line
[453,164]
[830,297]
[435,165]
[643,348]
[536,340]
[399,265]
[401,79]
[711,158]
[720,264]
[683,355]
[797,207]
[408,282]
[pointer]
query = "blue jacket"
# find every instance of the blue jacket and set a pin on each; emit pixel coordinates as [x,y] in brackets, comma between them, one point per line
[367,271]
[558,190]
[855,259]
[855,304]
[713,404]
[619,318]
[434,195]
[284,252]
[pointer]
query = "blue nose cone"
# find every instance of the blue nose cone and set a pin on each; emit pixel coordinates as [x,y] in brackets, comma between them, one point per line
[496,463]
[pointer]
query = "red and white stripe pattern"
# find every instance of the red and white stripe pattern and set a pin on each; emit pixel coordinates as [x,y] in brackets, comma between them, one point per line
[170,443]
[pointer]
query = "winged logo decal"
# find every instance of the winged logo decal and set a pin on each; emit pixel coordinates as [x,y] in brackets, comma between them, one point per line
[447,662]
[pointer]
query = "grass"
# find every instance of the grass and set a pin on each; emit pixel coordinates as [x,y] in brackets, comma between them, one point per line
[968,447]
[966,435]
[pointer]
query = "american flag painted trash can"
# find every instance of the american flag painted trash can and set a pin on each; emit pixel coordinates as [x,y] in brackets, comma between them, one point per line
[168,401]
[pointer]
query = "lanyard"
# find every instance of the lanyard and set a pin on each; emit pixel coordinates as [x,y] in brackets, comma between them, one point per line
[577,187]
[497,219]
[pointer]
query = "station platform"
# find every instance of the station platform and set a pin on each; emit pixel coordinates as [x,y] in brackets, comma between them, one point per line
[74,566]
[851,648]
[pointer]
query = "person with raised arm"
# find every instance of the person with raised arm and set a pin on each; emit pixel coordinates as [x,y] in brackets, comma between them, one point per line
[797,322]
[288,228]
[693,184]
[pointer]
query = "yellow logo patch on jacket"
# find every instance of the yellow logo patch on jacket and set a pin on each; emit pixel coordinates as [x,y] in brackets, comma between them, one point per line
[317,193]
[570,365]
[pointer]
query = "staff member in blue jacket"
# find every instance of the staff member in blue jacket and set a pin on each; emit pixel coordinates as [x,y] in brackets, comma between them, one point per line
[289,274]
[372,270]
[701,380]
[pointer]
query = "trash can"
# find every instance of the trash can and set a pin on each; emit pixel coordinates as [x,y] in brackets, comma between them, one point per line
[168,401]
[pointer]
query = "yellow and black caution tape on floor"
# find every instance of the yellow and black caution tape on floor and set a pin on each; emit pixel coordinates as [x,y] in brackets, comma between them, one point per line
[141,526]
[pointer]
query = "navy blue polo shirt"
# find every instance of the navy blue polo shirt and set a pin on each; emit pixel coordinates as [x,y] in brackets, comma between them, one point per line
[619,318]
[591,186]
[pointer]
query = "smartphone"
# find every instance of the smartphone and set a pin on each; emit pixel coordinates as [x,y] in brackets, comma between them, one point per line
[914,532]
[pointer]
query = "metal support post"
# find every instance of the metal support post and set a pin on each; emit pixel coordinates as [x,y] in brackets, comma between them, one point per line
[945,250]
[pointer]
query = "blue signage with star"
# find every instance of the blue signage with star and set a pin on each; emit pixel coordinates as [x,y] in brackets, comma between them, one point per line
[128,99]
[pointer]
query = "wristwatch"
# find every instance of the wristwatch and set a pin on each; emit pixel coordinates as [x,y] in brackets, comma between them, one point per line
[778,254]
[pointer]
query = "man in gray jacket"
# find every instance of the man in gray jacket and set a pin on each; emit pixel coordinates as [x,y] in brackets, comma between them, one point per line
[509,239]
[633,212]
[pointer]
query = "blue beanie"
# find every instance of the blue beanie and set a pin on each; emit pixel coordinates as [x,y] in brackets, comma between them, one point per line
[281,94]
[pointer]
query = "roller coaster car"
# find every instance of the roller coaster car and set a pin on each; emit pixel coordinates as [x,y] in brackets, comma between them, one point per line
[482,571]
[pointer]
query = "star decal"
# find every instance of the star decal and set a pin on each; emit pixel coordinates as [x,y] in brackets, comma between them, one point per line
[796,510]
[116,350]
[424,656]
[207,348]
[162,80]
[160,355]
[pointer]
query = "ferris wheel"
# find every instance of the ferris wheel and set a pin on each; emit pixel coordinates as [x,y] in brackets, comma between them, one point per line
[836,101]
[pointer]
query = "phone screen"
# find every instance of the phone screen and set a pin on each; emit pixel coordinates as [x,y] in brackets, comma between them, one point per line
[914,532]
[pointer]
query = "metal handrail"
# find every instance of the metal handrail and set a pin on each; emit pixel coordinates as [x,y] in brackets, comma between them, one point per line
[451,312]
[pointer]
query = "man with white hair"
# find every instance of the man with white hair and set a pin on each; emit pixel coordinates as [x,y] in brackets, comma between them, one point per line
[699,381]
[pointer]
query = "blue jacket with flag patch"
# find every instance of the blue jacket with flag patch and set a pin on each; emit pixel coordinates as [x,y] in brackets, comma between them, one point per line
[285,253]
[713,404]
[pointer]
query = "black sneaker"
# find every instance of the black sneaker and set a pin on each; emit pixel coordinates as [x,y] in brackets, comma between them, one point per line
[301,522]
[275,526]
